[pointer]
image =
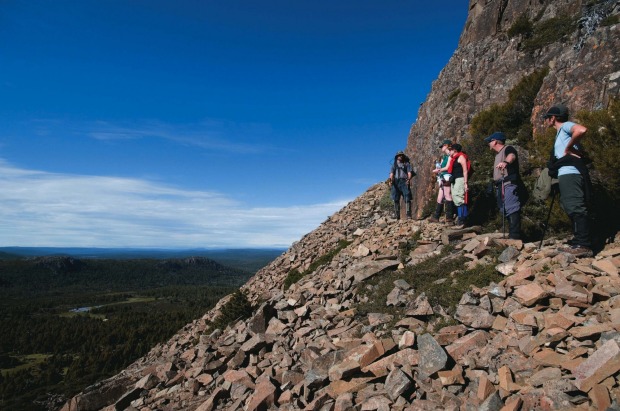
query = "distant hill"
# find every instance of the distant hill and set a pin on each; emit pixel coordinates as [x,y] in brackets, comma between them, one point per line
[53,273]
[247,259]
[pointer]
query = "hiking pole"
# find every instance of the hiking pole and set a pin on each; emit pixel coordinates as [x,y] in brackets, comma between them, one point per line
[443,200]
[553,193]
[503,208]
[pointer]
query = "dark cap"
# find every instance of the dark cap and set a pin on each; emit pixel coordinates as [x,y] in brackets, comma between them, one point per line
[498,135]
[448,142]
[457,147]
[560,111]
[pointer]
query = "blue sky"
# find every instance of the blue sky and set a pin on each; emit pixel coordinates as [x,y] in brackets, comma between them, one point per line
[150,123]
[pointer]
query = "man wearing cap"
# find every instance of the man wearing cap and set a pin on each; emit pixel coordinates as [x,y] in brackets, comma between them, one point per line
[573,177]
[400,176]
[506,180]
[443,179]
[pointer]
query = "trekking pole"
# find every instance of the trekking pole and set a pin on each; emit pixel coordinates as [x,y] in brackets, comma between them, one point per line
[553,193]
[503,208]
[443,200]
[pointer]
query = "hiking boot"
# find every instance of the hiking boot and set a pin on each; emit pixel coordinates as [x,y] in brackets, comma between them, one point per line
[397,211]
[578,251]
[459,223]
[435,217]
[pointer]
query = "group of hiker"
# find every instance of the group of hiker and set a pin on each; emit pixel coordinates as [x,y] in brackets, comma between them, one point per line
[454,170]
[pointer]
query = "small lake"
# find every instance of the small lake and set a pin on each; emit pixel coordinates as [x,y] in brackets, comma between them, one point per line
[84,309]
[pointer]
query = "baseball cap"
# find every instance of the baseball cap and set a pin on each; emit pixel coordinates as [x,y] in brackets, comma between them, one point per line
[498,135]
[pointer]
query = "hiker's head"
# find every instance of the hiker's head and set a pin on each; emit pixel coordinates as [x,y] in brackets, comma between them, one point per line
[496,140]
[445,145]
[456,148]
[400,156]
[559,112]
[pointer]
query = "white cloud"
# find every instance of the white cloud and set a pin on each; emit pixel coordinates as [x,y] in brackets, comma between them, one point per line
[46,209]
[207,134]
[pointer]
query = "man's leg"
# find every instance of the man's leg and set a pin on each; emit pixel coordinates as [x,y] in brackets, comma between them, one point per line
[514,229]
[572,198]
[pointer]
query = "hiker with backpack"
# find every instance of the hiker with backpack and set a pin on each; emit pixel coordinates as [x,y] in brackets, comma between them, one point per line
[400,177]
[568,165]
[506,181]
[460,168]
[444,196]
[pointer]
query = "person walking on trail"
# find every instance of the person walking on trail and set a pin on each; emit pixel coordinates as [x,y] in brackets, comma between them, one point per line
[574,179]
[444,196]
[506,180]
[458,168]
[400,177]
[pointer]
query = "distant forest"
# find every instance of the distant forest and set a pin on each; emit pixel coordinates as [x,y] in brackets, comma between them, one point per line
[66,323]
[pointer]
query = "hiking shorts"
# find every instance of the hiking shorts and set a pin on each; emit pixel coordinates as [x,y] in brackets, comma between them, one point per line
[458,191]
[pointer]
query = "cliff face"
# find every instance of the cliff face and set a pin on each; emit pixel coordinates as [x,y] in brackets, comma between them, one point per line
[584,71]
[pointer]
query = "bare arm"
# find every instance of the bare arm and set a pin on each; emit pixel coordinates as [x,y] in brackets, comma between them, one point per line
[577,132]
[463,163]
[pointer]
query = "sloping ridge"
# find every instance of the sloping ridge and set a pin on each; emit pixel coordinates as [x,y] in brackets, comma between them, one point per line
[546,336]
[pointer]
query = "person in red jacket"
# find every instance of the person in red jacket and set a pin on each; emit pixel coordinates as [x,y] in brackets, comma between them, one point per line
[458,169]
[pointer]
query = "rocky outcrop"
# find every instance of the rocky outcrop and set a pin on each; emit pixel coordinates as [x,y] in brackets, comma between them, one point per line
[584,72]
[546,336]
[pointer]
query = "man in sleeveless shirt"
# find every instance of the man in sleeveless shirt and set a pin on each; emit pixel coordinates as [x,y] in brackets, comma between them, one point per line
[573,177]
[505,179]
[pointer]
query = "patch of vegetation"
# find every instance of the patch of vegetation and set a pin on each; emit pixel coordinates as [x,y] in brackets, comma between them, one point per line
[386,203]
[610,20]
[521,27]
[405,247]
[442,278]
[463,96]
[512,117]
[294,275]
[550,31]
[453,95]
[43,351]
[238,307]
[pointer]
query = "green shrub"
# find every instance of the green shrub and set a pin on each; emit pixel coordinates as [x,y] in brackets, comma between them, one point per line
[386,203]
[550,31]
[453,95]
[237,308]
[610,20]
[521,27]
[292,277]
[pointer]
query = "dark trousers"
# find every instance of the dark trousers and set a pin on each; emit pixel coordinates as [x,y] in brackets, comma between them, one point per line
[573,201]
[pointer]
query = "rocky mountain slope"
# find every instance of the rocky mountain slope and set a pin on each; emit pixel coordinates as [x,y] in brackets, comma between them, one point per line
[573,42]
[544,337]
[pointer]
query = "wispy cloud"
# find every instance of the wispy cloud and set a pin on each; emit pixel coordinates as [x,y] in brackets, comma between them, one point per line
[46,209]
[218,135]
